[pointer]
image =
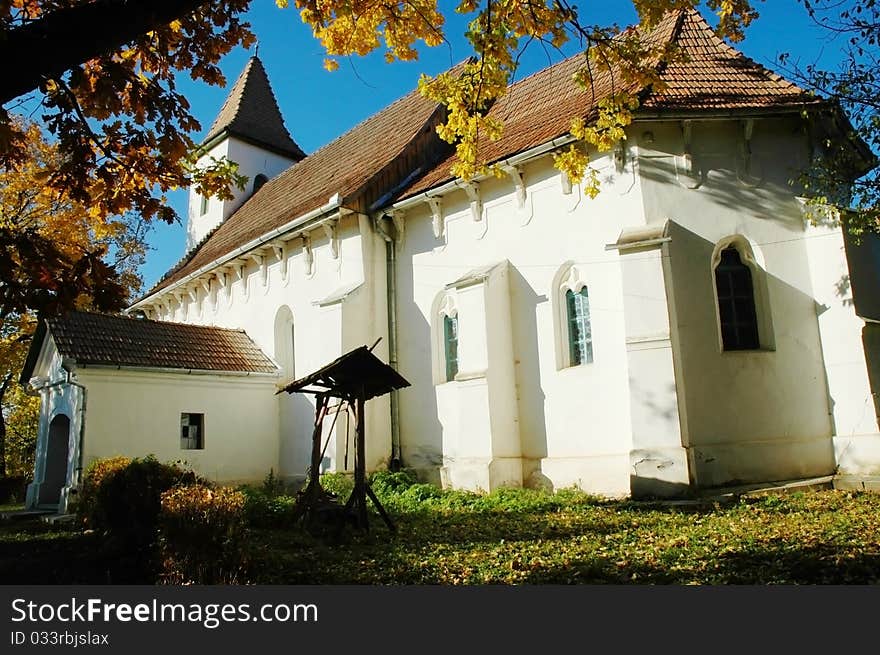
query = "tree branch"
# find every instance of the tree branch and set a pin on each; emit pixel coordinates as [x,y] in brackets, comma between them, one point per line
[48,47]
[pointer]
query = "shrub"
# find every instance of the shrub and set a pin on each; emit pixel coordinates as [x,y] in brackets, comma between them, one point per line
[12,489]
[203,535]
[386,482]
[272,485]
[339,484]
[122,497]
[264,511]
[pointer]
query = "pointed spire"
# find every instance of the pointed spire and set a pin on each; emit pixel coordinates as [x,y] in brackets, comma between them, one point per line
[251,114]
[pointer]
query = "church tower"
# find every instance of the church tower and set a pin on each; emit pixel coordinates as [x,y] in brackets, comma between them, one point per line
[249,130]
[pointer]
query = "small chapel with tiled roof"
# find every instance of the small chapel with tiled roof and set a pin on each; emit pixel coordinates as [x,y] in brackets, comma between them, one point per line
[687,329]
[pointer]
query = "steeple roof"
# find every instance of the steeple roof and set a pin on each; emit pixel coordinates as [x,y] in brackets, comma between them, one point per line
[251,114]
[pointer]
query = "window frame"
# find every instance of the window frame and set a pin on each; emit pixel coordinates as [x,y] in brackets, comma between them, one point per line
[570,277]
[450,320]
[751,258]
[204,204]
[583,322]
[444,308]
[200,424]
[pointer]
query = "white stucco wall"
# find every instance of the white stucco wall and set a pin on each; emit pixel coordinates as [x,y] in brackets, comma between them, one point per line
[134,414]
[573,422]
[660,401]
[751,415]
[322,331]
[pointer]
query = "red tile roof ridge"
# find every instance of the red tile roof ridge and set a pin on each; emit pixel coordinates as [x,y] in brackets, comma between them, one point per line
[695,15]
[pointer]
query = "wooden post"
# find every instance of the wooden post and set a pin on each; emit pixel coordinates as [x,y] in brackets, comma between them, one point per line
[309,496]
[360,471]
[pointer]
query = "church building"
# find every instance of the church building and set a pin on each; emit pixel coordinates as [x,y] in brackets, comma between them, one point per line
[685,330]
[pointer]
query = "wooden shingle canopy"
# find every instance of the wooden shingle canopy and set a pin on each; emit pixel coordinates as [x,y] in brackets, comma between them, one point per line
[347,376]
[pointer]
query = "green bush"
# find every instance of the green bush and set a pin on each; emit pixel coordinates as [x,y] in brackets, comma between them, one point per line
[264,511]
[122,498]
[203,535]
[272,485]
[339,484]
[386,482]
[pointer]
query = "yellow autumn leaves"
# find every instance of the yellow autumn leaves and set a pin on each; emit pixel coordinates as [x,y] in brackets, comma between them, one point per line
[497,32]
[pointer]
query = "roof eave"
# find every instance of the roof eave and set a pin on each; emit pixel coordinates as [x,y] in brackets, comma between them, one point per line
[33,355]
[722,114]
[300,224]
[179,371]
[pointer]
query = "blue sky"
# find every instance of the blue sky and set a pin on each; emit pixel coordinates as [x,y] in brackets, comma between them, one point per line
[318,105]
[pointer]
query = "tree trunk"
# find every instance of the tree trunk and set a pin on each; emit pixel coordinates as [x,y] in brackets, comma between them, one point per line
[3,388]
[62,39]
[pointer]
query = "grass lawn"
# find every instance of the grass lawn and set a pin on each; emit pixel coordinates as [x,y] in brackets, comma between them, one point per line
[523,537]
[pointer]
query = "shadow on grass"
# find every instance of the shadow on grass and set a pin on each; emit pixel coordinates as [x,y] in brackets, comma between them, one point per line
[34,553]
[754,565]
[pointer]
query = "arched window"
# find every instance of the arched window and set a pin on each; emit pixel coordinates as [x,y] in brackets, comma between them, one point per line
[445,338]
[450,346]
[573,324]
[736,302]
[580,334]
[259,181]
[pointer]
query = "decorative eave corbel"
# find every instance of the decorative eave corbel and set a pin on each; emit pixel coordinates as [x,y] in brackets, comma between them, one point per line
[181,303]
[279,249]
[206,285]
[237,267]
[744,171]
[193,293]
[397,217]
[693,179]
[565,180]
[687,135]
[436,206]
[331,230]
[620,156]
[221,279]
[262,264]
[472,189]
[516,176]
[308,255]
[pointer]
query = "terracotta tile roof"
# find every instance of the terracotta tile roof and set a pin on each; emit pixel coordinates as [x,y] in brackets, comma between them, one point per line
[90,338]
[718,76]
[343,166]
[251,113]
[714,76]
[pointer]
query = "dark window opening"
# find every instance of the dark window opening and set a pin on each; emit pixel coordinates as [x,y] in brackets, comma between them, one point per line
[259,181]
[736,302]
[192,431]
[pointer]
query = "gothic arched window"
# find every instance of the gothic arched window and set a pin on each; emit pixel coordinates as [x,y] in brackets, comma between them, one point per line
[736,302]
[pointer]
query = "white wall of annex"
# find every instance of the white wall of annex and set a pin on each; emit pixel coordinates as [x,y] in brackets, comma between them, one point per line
[134,414]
